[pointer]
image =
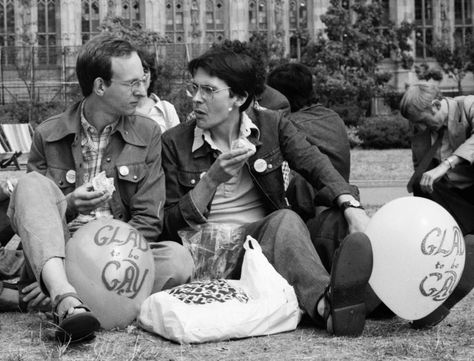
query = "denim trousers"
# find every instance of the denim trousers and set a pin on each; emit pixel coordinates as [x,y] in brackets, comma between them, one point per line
[37,212]
[286,243]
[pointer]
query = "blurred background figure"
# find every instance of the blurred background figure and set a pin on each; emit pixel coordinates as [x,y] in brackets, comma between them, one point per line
[161,111]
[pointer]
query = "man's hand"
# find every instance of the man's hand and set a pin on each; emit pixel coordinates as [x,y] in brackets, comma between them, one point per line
[430,177]
[34,297]
[227,165]
[7,187]
[84,199]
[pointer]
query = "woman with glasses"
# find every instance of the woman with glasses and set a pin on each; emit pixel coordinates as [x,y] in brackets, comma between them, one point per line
[225,167]
[161,111]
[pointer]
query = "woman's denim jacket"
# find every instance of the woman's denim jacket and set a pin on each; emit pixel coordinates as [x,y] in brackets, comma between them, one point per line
[279,140]
[132,158]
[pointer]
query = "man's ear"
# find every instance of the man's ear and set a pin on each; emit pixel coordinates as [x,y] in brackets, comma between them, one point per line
[99,86]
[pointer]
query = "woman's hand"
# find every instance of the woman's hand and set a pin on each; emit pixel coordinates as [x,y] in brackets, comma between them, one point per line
[228,164]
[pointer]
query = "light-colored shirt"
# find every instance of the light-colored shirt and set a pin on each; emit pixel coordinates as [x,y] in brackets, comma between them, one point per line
[236,201]
[461,175]
[163,112]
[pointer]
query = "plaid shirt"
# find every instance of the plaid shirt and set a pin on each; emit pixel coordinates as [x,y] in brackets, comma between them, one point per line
[93,147]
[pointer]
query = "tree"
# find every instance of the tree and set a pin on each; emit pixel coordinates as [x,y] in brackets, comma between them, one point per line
[425,72]
[345,58]
[455,61]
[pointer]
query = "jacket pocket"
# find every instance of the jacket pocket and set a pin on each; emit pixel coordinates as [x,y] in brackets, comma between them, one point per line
[132,173]
[270,162]
[189,179]
[128,178]
[60,178]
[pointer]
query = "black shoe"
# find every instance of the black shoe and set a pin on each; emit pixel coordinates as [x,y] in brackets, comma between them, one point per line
[351,269]
[431,320]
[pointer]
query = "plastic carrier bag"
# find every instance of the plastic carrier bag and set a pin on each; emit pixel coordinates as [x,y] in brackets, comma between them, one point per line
[215,249]
[260,303]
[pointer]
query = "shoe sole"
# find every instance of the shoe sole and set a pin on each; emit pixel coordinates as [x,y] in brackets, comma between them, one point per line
[77,328]
[350,275]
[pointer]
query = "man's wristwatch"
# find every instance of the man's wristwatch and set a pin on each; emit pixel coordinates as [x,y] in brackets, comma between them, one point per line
[350,204]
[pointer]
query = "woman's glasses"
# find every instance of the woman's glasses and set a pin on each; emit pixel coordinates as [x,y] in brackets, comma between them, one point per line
[207,91]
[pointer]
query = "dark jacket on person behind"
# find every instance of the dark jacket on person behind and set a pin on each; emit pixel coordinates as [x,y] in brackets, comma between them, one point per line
[279,140]
[132,158]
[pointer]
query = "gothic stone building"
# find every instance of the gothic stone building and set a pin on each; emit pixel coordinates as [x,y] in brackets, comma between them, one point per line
[49,25]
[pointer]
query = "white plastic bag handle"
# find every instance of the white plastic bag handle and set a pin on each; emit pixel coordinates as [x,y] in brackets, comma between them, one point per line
[252,244]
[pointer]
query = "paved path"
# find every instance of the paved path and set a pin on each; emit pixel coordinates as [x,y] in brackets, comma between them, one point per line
[379,192]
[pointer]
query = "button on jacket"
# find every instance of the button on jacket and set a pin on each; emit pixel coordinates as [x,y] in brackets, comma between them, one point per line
[279,140]
[135,145]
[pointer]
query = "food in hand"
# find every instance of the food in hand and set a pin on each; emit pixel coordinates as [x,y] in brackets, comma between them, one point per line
[243,143]
[103,184]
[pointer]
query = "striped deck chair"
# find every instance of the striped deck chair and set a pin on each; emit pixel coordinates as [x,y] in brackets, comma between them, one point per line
[15,140]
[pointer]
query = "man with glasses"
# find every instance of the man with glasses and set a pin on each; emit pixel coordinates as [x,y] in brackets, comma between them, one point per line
[101,133]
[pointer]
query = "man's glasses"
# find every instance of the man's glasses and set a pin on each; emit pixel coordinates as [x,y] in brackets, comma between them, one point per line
[207,91]
[135,84]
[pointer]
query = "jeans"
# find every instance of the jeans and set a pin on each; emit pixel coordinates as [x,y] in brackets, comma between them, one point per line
[286,243]
[38,214]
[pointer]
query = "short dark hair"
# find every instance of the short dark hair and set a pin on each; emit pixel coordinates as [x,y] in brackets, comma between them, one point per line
[94,60]
[243,47]
[295,82]
[149,64]
[236,70]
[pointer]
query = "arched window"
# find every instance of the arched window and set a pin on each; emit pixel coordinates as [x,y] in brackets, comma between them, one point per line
[90,19]
[131,11]
[175,20]
[424,28]
[47,31]
[298,26]
[462,21]
[7,31]
[258,16]
[215,18]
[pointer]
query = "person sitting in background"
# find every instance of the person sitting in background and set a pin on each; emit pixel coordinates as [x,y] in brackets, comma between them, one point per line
[443,156]
[325,129]
[225,167]
[161,111]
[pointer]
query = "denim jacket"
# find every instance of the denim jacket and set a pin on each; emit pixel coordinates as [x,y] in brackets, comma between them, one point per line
[279,140]
[132,158]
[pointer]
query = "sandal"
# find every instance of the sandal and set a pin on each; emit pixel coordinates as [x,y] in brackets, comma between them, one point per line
[344,311]
[74,327]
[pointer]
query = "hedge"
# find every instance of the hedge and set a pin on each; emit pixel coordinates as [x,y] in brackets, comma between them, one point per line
[384,132]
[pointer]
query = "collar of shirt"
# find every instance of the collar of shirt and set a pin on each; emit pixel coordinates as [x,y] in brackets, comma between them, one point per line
[204,136]
[90,130]
[157,101]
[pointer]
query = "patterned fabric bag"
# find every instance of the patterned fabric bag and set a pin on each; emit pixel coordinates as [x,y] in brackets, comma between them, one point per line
[260,303]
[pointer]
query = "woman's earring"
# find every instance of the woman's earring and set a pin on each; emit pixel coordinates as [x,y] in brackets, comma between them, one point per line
[230,109]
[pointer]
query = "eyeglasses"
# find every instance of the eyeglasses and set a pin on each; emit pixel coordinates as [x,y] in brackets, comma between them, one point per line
[134,84]
[207,91]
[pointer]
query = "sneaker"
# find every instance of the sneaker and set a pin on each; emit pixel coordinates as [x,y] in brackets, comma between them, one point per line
[344,298]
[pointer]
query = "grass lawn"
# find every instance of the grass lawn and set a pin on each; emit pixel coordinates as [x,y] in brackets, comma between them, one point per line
[30,336]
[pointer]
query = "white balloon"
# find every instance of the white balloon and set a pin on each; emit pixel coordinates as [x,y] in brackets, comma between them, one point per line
[419,255]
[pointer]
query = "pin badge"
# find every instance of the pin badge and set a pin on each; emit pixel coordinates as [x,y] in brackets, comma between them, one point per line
[71,176]
[260,165]
[123,170]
